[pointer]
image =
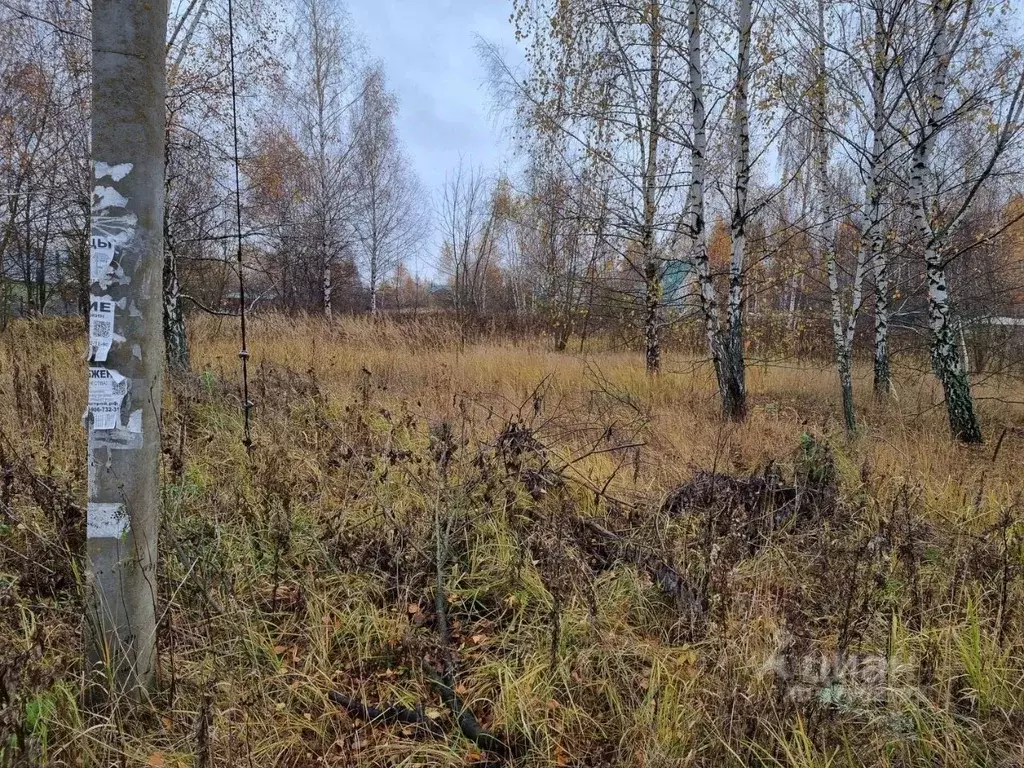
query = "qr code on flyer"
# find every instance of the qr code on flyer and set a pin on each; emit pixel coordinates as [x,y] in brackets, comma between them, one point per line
[102,329]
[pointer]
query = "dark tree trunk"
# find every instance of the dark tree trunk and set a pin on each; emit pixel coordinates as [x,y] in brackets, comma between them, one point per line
[844,367]
[732,383]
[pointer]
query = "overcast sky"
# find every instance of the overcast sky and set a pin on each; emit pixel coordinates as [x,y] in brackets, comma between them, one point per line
[427,47]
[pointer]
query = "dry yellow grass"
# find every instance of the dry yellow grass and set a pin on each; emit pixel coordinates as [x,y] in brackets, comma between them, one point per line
[306,566]
[906,437]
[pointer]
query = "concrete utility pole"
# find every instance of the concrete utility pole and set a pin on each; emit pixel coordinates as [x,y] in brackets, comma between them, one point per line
[126,353]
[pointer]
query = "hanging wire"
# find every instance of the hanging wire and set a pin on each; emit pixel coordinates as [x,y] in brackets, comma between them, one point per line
[243,355]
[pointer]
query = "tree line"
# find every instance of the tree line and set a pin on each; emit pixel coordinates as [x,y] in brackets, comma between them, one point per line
[734,176]
[732,152]
[330,202]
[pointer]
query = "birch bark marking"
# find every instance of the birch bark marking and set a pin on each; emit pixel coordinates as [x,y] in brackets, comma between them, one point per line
[328,288]
[175,335]
[725,345]
[883,368]
[735,384]
[844,325]
[698,152]
[946,361]
[652,264]
[826,229]
[875,237]
[123,416]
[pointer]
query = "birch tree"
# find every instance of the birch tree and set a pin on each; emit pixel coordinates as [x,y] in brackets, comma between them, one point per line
[968,70]
[825,131]
[843,327]
[321,92]
[605,87]
[388,217]
[725,338]
[880,35]
[179,46]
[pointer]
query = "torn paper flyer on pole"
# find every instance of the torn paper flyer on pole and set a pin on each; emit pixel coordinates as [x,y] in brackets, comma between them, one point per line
[107,389]
[101,327]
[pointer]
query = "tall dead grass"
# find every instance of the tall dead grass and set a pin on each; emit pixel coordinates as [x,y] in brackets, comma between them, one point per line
[426,363]
[307,566]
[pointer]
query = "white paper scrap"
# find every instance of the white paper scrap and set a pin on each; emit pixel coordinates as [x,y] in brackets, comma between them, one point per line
[100,258]
[116,172]
[106,521]
[135,422]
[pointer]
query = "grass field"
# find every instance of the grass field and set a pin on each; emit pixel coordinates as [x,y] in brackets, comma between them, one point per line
[601,570]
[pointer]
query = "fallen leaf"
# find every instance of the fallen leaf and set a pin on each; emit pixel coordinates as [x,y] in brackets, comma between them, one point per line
[156,760]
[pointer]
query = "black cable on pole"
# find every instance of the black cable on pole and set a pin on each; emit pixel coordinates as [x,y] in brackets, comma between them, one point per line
[243,355]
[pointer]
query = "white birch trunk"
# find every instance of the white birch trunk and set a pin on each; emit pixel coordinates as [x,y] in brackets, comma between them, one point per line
[791,309]
[698,152]
[874,235]
[946,361]
[735,368]
[328,288]
[842,330]
[175,336]
[374,279]
[652,264]
[883,369]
